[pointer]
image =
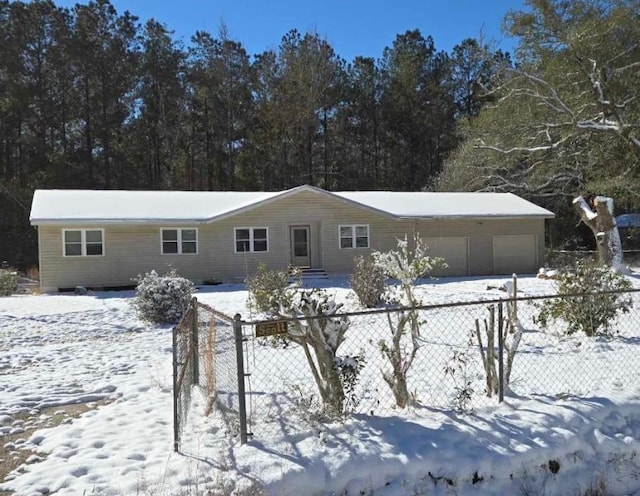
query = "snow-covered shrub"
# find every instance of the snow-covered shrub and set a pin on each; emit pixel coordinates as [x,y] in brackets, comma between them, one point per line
[368,281]
[267,287]
[320,332]
[591,311]
[407,266]
[162,299]
[8,282]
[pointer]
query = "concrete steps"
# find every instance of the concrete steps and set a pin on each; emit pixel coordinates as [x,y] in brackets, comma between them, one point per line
[313,273]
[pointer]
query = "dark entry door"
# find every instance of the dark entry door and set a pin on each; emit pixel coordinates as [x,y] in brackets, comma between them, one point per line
[300,252]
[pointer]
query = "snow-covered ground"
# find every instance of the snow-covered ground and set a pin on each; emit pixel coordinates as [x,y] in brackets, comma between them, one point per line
[59,350]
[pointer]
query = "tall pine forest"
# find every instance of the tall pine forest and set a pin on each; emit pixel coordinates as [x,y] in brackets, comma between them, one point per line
[93,98]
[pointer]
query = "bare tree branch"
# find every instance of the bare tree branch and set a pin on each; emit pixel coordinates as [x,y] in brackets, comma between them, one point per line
[529,149]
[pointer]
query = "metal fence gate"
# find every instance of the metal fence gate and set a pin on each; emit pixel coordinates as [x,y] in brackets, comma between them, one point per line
[207,353]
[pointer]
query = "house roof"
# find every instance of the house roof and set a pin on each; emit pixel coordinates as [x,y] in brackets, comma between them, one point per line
[426,204]
[115,206]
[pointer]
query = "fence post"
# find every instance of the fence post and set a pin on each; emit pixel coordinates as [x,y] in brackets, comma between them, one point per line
[500,354]
[515,298]
[237,328]
[195,341]
[176,427]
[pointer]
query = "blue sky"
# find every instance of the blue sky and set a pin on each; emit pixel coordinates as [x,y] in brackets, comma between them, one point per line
[352,27]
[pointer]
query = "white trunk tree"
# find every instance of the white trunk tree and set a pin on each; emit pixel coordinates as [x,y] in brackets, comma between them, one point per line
[599,218]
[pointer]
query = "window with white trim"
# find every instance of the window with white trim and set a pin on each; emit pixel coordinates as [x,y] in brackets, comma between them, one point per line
[177,241]
[251,239]
[354,236]
[83,242]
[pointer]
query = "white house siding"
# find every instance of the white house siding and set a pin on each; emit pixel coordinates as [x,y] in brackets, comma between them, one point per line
[134,249]
[322,213]
[129,250]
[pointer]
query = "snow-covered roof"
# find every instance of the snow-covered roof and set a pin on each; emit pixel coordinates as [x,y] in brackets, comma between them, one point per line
[115,206]
[55,206]
[420,204]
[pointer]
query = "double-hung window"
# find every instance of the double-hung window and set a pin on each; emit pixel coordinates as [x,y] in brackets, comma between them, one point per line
[83,242]
[251,239]
[179,241]
[354,236]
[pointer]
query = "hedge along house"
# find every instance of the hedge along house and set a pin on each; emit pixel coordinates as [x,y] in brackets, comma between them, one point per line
[105,238]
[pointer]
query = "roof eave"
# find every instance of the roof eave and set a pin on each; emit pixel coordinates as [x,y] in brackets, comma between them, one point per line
[95,222]
[476,217]
[165,222]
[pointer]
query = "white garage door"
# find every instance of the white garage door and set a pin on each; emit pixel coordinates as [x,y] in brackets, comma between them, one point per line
[455,252]
[515,254]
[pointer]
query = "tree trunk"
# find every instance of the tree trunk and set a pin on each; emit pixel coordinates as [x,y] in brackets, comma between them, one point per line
[598,216]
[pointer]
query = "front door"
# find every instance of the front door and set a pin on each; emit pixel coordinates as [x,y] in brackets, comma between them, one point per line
[300,252]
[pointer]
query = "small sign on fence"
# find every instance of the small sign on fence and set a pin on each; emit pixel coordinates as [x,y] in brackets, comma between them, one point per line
[272,328]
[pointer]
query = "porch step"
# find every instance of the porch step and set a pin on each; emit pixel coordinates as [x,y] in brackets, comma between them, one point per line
[313,273]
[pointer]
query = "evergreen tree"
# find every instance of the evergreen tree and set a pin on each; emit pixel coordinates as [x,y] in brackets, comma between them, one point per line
[103,40]
[360,124]
[158,138]
[221,107]
[417,109]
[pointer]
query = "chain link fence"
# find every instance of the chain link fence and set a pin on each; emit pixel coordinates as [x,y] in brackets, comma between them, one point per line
[468,356]
[457,344]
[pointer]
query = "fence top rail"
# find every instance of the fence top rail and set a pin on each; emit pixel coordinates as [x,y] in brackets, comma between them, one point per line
[218,314]
[434,306]
[588,252]
[185,319]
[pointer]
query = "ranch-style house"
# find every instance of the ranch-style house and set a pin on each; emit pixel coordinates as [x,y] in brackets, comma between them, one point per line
[106,238]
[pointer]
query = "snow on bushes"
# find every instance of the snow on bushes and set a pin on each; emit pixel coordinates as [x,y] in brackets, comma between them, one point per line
[590,298]
[320,330]
[162,299]
[407,265]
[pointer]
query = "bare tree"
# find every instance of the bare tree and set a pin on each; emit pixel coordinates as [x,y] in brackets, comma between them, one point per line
[565,117]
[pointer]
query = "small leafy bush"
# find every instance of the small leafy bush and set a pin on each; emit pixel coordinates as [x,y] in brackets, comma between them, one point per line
[8,282]
[589,313]
[350,368]
[268,287]
[458,369]
[368,281]
[162,299]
